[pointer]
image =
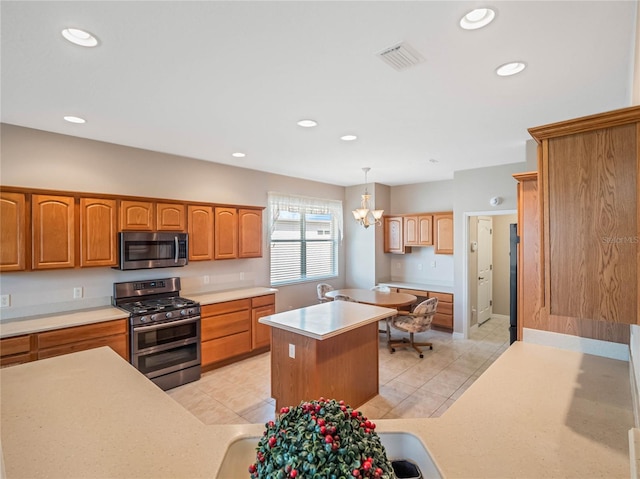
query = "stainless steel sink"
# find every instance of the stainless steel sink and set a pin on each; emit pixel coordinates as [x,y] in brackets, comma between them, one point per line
[399,445]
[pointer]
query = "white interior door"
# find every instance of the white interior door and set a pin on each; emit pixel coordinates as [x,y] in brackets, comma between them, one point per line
[485,268]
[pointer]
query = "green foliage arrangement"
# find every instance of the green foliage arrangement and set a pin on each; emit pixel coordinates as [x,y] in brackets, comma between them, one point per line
[320,439]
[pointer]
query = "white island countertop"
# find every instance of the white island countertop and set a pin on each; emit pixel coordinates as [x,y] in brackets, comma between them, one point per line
[537,412]
[325,320]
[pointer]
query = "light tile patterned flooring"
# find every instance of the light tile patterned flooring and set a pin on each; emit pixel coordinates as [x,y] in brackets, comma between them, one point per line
[409,386]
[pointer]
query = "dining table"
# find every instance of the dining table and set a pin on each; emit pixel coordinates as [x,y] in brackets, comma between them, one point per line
[385,299]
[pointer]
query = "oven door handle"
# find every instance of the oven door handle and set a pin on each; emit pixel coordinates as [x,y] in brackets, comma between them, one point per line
[166,325]
[175,240]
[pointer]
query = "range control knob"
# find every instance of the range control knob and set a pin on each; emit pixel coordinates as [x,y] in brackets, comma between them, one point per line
[168,315]
[144,319]
[183,312]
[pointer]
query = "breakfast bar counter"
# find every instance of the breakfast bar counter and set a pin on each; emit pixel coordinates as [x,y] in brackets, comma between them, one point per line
[537,412]
[325,350]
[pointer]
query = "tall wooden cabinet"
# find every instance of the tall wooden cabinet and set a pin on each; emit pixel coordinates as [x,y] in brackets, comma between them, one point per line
[443,233]
[225,245]
[13,231]
[249,233]
[588,179]
[393,234]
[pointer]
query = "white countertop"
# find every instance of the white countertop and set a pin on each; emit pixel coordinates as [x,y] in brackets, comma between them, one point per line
[537,412]
[48,322]
[325,320]
[435,287]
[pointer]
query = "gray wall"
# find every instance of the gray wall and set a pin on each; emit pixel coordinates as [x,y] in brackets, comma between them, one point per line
[37,159]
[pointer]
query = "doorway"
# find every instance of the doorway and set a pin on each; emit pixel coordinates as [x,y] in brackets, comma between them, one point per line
[487,268]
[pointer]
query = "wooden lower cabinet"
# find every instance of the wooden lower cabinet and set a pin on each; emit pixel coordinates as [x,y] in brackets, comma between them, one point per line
[261,334]
[16,350]
[79,338]
[21,349]
[225,330]
[443,318]
[231,330]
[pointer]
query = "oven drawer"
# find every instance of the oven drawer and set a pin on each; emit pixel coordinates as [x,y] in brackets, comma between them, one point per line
[223,325]
[219,349]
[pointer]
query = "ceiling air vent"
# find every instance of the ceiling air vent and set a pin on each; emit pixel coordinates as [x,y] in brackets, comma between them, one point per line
[401,56]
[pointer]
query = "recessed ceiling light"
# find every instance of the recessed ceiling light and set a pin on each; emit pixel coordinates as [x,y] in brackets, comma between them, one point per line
[510,68]
[307,123]
[75,119]
[80,37]
[238,154]
[478,18]
[348,137]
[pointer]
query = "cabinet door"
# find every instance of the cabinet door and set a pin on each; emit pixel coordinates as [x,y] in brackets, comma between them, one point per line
[261,334]
[136,215]
[225,245]
[200,222]
[393,237]
[443,233]
[249,233]
[425,230]
[170,217]
[98,232]
[410,224]
[13,231]
[53,230]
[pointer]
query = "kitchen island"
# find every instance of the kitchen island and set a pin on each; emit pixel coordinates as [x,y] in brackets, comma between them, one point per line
[537,412]
[325,350]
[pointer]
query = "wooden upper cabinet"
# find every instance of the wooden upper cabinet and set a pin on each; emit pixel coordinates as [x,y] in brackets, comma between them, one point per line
[170,217]
[443,233]
[13,231]
[98,232]
[249,233]
[418,230]
[225,244]
[136,215]
[393,235]
[53,231]
[589,185]
[200,228]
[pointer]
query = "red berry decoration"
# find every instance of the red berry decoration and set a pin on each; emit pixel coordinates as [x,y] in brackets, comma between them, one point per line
[323,438]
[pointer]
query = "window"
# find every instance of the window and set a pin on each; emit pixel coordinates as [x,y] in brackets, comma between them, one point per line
[305,236]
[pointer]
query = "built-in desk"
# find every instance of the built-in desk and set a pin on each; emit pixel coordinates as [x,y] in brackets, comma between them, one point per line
[325,350]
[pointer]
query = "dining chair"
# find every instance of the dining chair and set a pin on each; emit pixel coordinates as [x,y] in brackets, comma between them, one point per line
[322,289]
[417,321]
[342,297]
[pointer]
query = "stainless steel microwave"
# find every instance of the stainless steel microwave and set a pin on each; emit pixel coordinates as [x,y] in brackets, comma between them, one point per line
[144,250]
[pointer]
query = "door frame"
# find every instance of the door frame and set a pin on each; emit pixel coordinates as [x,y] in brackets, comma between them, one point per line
[466,320]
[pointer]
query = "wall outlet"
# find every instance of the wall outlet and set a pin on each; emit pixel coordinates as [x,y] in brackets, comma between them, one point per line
[292,351]
[419,266]
[242,276]
[206,279]
[77,292]
[5,300]
[433,264]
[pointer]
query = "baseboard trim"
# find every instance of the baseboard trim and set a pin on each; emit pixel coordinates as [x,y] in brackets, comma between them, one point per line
[596,347]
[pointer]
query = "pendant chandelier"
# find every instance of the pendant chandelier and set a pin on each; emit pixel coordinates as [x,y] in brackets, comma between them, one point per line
[365,215]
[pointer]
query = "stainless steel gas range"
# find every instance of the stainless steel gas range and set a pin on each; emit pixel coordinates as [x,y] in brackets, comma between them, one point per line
[164,330]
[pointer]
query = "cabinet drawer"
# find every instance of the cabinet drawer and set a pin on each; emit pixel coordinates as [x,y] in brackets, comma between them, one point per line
[443,320]
[415,292]
[117,343]
[81,333]
[445,308]
[226,307]
[15,345]
[224,348]
[222,325]
[15,359]
[263,300]
[442,297]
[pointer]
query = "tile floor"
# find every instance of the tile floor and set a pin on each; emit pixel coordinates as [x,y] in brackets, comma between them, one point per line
[409,386]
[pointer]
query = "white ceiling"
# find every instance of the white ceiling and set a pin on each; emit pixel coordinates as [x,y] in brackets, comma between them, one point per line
[205,79]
